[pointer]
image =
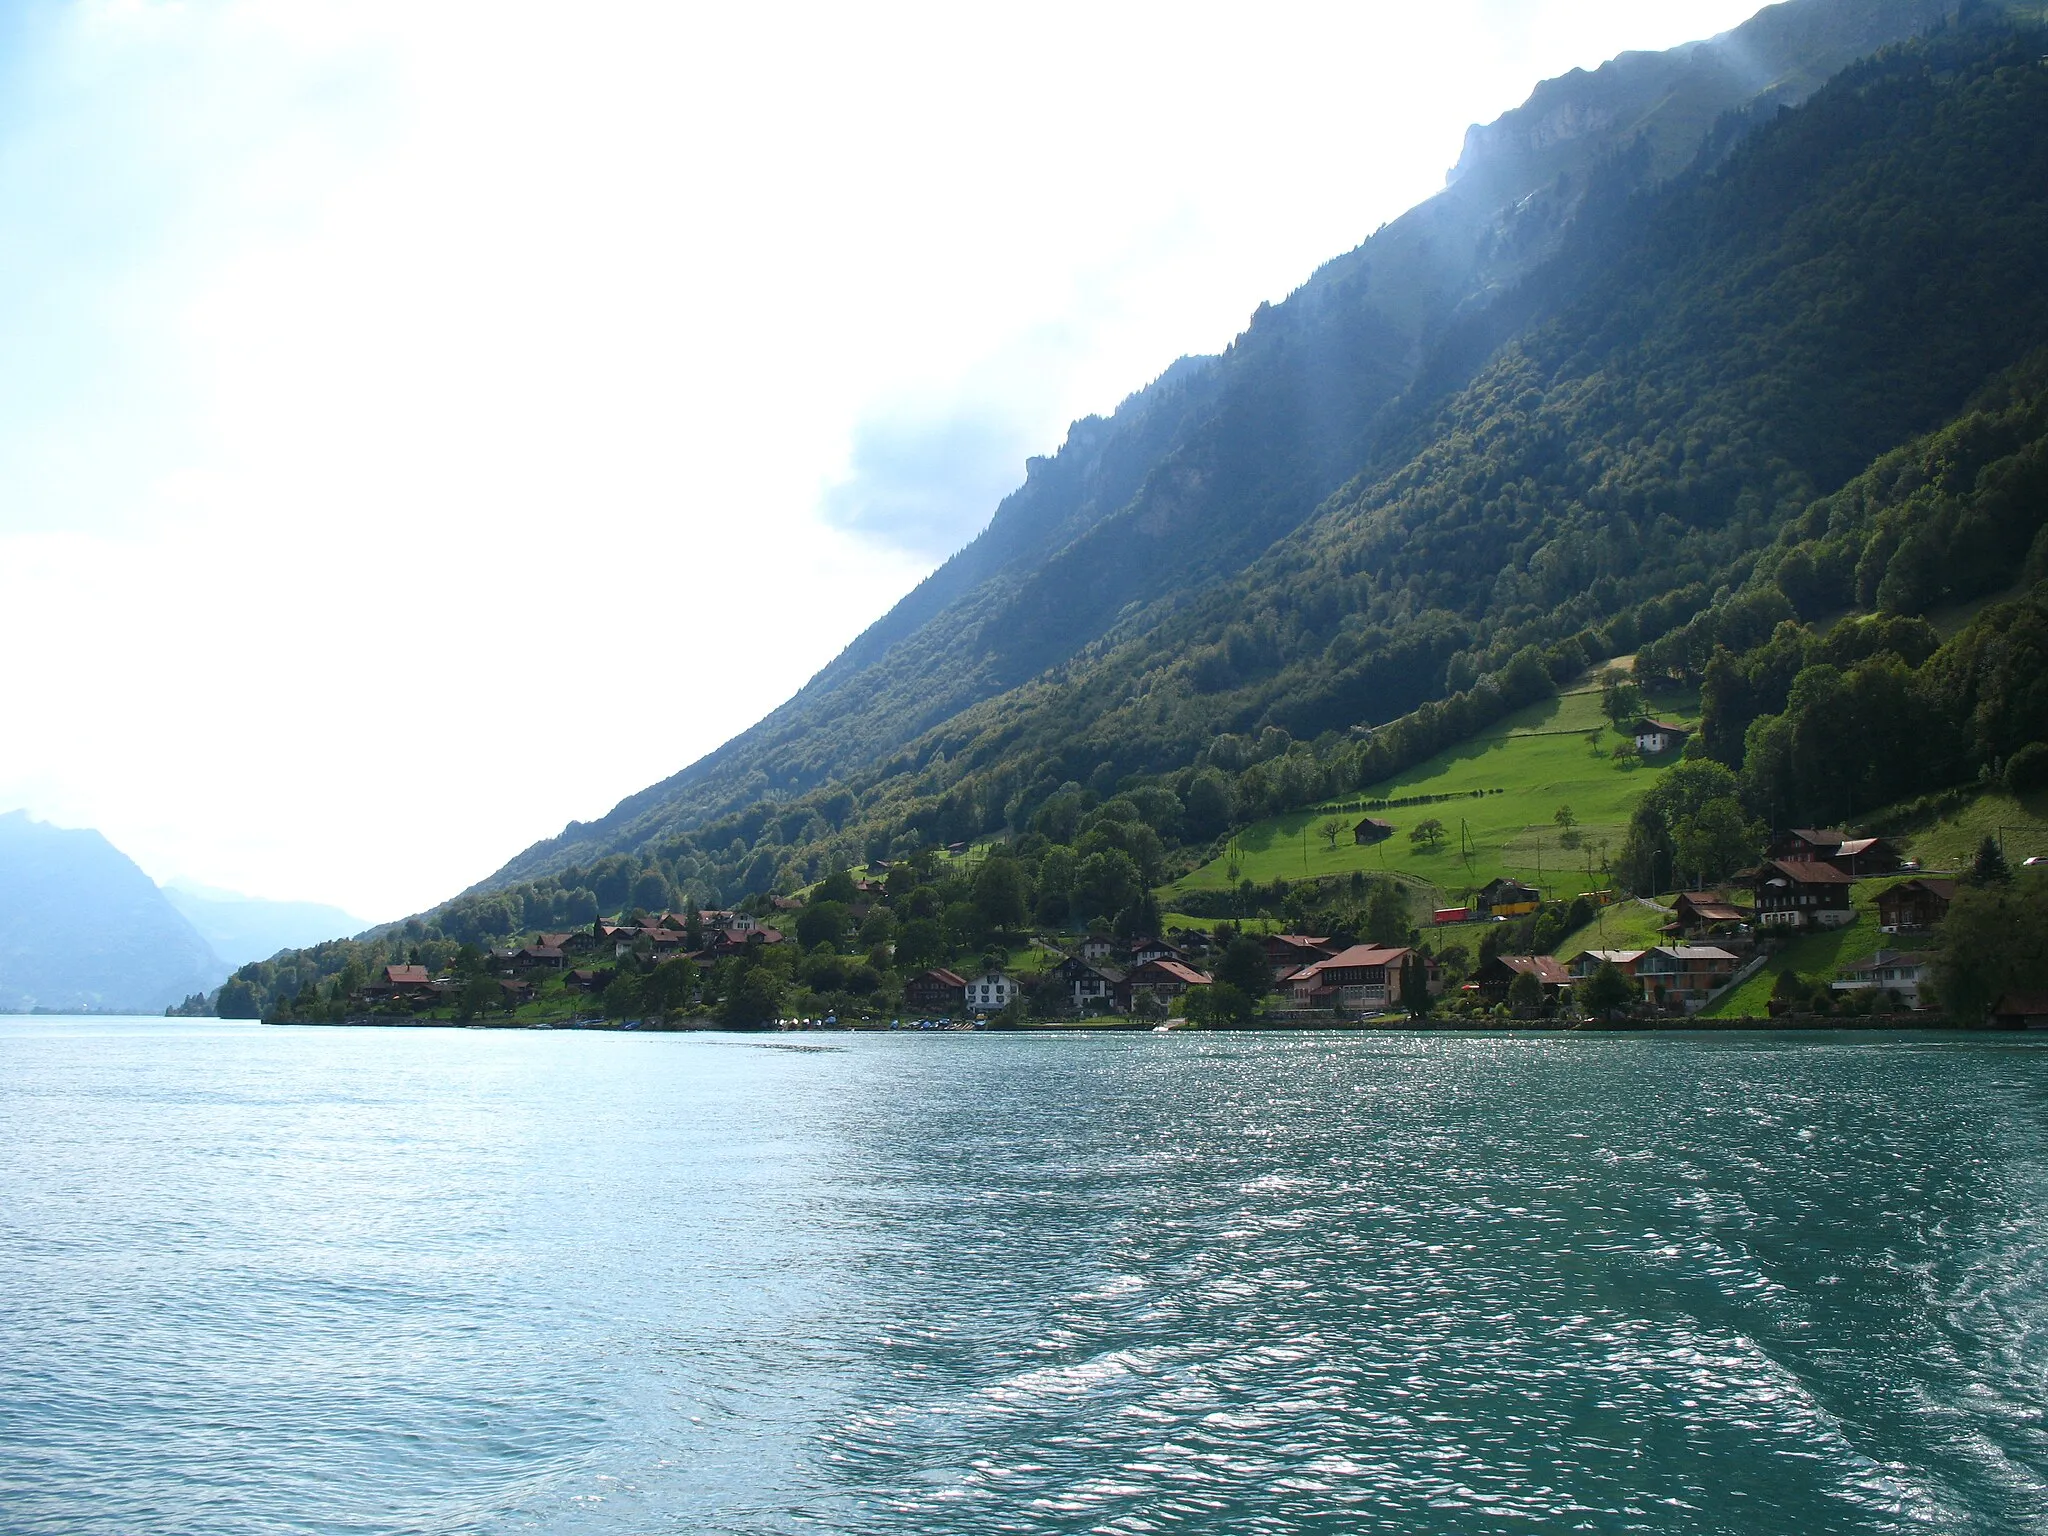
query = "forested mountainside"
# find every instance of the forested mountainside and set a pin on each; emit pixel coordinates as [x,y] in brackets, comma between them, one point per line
[1222,456]
[1808,373]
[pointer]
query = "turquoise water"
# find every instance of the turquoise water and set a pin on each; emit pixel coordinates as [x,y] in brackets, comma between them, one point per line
[266,1280]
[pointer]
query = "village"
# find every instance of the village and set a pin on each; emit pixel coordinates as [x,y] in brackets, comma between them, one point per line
[1706,943]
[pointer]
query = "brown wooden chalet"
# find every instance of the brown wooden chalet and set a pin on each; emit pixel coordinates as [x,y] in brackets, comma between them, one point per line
[1495,976]
[1361,977]
[1802,893]
[1372,830]
[530,957]
[936,991]
[1697,915]
[407,981]
[588,981]
[2021,1010]
[1805,845]
[1139,951]
[1289,952]
[1161,979]
[1086,985]
[1864,857]
[1915,904]
[580,942]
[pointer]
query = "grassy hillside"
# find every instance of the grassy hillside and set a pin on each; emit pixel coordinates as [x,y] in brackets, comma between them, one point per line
[1625,925]
[1814,955]
[1510,782]
[2021,825]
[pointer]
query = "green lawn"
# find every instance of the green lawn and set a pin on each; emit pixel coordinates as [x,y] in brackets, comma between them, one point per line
[1539,759]
[1625,925]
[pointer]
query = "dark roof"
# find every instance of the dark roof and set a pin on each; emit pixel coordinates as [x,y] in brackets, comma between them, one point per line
[942,976]
[1818,836]
[406,975]
[2025,1005]
[1802,873]
[1945,889]
[1666,726]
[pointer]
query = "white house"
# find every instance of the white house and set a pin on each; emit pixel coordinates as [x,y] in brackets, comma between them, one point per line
[1655,736]
[1909,975]
[990,992]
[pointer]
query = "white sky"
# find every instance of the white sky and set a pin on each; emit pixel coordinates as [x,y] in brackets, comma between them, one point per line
[423,424]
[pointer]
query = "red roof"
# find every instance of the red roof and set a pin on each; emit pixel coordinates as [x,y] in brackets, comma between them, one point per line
[1358,955]
[1186,974]
[943,977]
[2025,1005]
[1544,968]
[406,975]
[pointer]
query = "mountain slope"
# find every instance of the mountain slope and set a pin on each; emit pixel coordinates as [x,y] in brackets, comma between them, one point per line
[1197,475]
[242,928]
[82,927]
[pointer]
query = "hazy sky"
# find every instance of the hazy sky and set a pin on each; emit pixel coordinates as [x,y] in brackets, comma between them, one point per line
[423,424]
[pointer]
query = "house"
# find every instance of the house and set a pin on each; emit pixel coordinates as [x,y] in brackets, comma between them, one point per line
[516,991]
[588,981]
[1495,976]
[1289,952]
[990,992]
[1696,915]
[1086,985]
[1684,975]
[1862,857]
[1506,898]
[1914,905]
[576,943]
[1623,960]
[403,981]
[1361,977]
[1802,893]
[1161,979]
[1097,947]
[1141,950]
[1371,830]
[1805,845]
[1910,975]
[529,957]
[936,991]
[1655,736]
[2021,1010]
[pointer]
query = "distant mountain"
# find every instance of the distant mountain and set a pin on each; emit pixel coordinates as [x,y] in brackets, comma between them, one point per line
[82,927]
[1201,473]
[244,928]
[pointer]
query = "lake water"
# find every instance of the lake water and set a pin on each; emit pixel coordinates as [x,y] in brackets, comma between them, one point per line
[329,1280]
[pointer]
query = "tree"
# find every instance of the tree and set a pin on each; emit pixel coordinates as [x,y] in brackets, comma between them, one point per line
[822,922]
[2026,771]
[837,886]
[1716,840]
[1994,940]
[1329,831]
[1245,967]
[1567,826]
[1606,992]
[1415,985]
[238,1000]
[1989,866]
[1105,882]
[1525,995]
[1386,914]
[1208,806]
[1219,1006]
[922,943]
[754,1001]
[1002,893]
[1621,698]
[478,994]
[1427,833]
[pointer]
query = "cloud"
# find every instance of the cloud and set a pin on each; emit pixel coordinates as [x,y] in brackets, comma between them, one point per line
[927,487]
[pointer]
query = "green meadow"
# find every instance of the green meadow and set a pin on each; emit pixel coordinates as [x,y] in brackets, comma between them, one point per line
[1510,781]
